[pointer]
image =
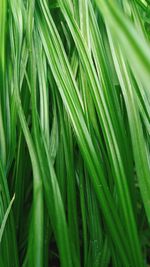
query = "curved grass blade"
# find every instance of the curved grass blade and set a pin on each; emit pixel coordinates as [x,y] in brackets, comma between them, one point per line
[2,228]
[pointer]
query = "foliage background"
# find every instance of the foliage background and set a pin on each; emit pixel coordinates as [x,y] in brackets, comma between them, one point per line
[74,133]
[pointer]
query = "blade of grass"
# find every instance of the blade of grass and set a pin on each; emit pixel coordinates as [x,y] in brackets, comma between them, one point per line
[2,228]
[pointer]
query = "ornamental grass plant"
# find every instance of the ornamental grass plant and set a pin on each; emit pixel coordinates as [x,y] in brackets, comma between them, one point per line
[74,133]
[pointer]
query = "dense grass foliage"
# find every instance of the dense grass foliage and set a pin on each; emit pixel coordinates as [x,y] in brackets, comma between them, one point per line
[74,133]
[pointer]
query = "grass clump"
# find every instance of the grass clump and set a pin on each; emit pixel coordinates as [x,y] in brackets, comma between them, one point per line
[74,133]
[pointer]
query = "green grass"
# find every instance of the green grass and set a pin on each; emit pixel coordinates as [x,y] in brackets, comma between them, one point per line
[74,133]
